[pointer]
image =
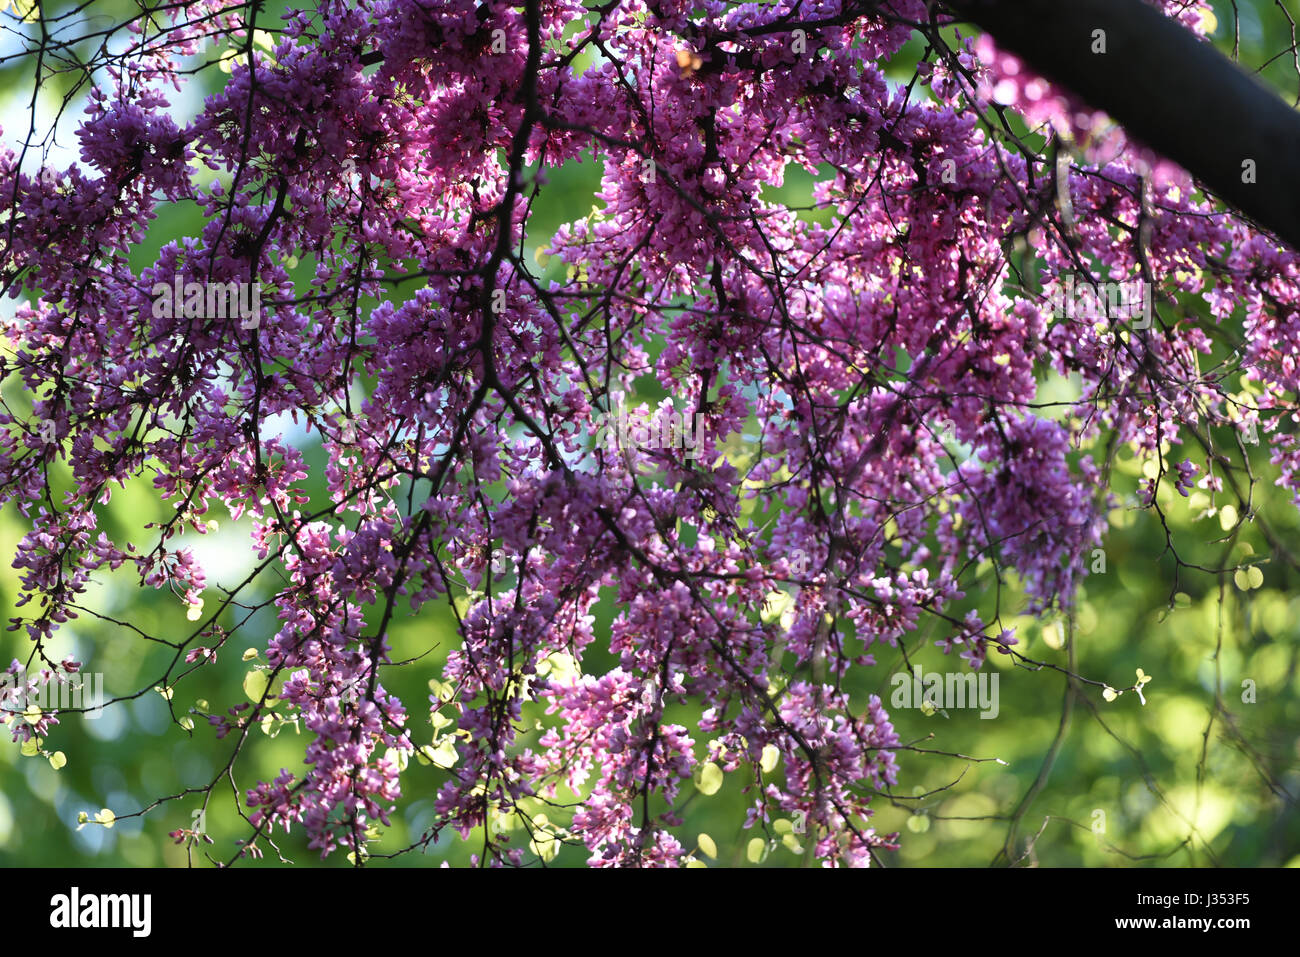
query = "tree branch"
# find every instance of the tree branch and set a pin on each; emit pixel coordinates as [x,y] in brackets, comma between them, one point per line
[1174,92]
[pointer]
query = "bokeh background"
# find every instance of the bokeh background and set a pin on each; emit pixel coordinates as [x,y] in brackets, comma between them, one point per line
[1197,775]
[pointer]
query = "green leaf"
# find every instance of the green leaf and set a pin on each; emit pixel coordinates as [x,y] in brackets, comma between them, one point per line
[398,757]
[545,845]
[1227,517]
[710,779]
[445,755]
[775,605]
[256,683]
[563,667]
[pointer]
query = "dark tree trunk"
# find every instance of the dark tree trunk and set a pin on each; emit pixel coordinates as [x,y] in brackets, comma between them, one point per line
[1173,92]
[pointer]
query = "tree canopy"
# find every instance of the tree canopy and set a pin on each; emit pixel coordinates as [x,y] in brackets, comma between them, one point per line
[546,432]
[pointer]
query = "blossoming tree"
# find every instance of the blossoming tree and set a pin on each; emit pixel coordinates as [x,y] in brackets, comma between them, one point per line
[875,460]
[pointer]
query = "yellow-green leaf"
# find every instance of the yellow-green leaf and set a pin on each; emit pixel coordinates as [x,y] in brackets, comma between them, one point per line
[545,845]
[256,684]
[445,755]
[756,849]
[707,846]
[771,755]
[563,667]
[398,757]
[775,605]
[58,759]
[710,779]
